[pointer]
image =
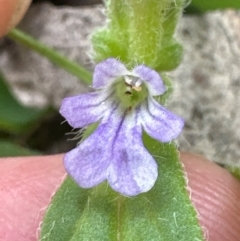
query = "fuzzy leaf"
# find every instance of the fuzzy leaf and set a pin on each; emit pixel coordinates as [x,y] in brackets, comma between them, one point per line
[66,208]
[135,38]
[165,213]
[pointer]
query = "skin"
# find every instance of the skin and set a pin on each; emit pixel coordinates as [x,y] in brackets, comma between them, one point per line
[28,183]
[11,12]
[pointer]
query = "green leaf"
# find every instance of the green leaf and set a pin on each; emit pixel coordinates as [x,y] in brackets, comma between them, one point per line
[8,149]
[135,38]
[206,5]
[67,206]
[165,213]
[235,171]
[13,116]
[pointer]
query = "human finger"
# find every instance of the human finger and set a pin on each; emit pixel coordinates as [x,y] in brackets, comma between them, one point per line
[11,12]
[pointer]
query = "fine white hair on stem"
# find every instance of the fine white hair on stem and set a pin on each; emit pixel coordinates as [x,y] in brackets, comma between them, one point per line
[78,135]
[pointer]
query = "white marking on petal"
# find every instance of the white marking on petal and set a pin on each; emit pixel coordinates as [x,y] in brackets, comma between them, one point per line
[128,80]
[138,82]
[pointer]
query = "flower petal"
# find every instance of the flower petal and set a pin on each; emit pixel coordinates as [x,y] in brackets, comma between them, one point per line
[88,163]
[133,170]
[85,109]
[107,71]
[152,79]
[159,122]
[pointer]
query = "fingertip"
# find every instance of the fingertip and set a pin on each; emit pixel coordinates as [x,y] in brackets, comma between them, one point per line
[216,196]
[11,12]
[26,187]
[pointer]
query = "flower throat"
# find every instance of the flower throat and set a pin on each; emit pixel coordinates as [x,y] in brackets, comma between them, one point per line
[130,91]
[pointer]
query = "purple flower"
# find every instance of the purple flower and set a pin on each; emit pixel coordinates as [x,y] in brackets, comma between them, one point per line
[124,106]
